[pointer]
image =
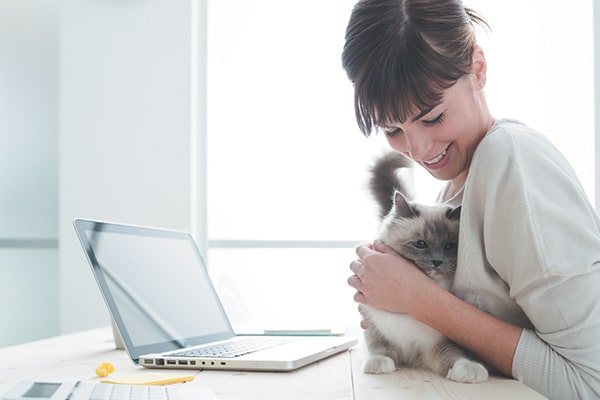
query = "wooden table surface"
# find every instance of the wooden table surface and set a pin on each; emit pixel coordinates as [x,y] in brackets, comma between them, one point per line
[75,357]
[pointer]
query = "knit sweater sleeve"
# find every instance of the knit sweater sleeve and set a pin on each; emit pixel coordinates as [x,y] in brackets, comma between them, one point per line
[542,238]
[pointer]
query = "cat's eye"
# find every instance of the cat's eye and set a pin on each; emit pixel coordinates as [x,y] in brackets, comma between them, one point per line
[420,244]
[450,246]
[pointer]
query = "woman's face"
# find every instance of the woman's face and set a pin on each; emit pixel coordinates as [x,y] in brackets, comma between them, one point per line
[443,139]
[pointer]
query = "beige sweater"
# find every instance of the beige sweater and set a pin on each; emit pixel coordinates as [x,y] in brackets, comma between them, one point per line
[529,254]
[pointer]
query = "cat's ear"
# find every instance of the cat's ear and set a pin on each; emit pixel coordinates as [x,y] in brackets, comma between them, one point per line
[454,213]
[403,208]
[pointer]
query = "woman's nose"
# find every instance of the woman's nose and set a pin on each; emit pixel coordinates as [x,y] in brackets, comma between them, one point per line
[412,143]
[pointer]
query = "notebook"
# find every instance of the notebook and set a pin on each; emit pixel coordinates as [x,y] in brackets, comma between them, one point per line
[161,299]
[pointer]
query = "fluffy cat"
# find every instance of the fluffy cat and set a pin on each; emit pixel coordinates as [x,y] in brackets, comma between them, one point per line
[428,236]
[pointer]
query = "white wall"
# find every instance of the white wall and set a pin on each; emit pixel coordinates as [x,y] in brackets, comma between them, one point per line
[125,130]
[596,9]
[28,169]
[28,93]
[105,87]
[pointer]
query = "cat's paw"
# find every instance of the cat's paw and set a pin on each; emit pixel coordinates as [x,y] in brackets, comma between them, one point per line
[467,371]
[379,365]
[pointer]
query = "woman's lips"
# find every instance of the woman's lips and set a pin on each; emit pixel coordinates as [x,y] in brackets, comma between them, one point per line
[439,161]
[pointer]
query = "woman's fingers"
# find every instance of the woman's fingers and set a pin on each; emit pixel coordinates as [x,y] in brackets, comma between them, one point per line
[356,266]
[380,247]
[354,281]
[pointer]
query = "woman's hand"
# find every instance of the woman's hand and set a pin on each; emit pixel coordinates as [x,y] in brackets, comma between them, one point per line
[383,279]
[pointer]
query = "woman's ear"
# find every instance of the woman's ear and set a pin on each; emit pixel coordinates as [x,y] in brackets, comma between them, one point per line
[479,67]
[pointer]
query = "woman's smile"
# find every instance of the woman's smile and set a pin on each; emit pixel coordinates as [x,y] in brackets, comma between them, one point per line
[439,161]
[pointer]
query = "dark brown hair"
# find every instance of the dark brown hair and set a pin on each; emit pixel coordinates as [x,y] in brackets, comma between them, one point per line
[402,54]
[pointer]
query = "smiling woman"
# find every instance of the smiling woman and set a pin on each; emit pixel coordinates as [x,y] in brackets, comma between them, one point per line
[287,164]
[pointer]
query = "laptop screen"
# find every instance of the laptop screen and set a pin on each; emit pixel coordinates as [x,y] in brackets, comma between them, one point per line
[156,286]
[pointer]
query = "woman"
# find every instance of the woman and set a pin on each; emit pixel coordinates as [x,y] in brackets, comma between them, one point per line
[525,297]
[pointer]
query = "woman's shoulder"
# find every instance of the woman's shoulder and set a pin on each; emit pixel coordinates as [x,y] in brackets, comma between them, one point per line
[510,141]
[514,154]
[510,134]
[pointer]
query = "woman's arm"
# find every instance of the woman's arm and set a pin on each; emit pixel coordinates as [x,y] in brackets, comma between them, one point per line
[565,370]
[492,339]
[541,236]
[386,280]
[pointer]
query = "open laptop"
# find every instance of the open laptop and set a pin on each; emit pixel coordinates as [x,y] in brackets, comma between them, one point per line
[167,311]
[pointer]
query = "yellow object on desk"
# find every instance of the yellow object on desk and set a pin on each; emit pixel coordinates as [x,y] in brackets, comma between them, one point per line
[150,378]
[105,369]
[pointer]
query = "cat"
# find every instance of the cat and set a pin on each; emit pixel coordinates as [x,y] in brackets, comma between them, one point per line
[428,236]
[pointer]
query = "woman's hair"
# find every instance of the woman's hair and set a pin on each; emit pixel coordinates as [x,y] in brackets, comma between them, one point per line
[402,54]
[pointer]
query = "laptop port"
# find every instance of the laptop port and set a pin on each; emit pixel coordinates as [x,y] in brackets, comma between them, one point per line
[149,362]
[160,361]
[171,362]
[183,362]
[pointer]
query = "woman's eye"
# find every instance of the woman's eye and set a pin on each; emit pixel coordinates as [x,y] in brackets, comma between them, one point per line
[436,120]
[420,244]
[392,132]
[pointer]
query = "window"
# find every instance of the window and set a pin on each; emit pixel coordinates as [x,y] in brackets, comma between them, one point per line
[287,165]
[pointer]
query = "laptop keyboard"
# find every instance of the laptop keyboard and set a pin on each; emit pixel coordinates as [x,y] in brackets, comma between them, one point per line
[134,392]
[235,348]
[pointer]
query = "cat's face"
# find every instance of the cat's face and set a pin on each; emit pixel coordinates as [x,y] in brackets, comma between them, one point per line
[426,235]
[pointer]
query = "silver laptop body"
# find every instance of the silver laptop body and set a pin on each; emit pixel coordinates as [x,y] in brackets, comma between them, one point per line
[167,311]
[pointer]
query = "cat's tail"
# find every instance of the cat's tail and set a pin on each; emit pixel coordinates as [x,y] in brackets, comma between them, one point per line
[384,180]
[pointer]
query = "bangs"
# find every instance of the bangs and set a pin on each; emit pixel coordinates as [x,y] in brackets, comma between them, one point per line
[399,86]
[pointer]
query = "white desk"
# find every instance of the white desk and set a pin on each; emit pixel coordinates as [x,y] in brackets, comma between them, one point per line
[76,356]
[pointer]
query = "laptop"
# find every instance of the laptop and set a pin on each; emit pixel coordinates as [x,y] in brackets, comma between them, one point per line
[167,311]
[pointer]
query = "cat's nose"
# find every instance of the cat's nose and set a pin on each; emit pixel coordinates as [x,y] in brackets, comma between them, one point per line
[436,263]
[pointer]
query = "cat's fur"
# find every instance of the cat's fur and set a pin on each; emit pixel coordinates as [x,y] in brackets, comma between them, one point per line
[428,236]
